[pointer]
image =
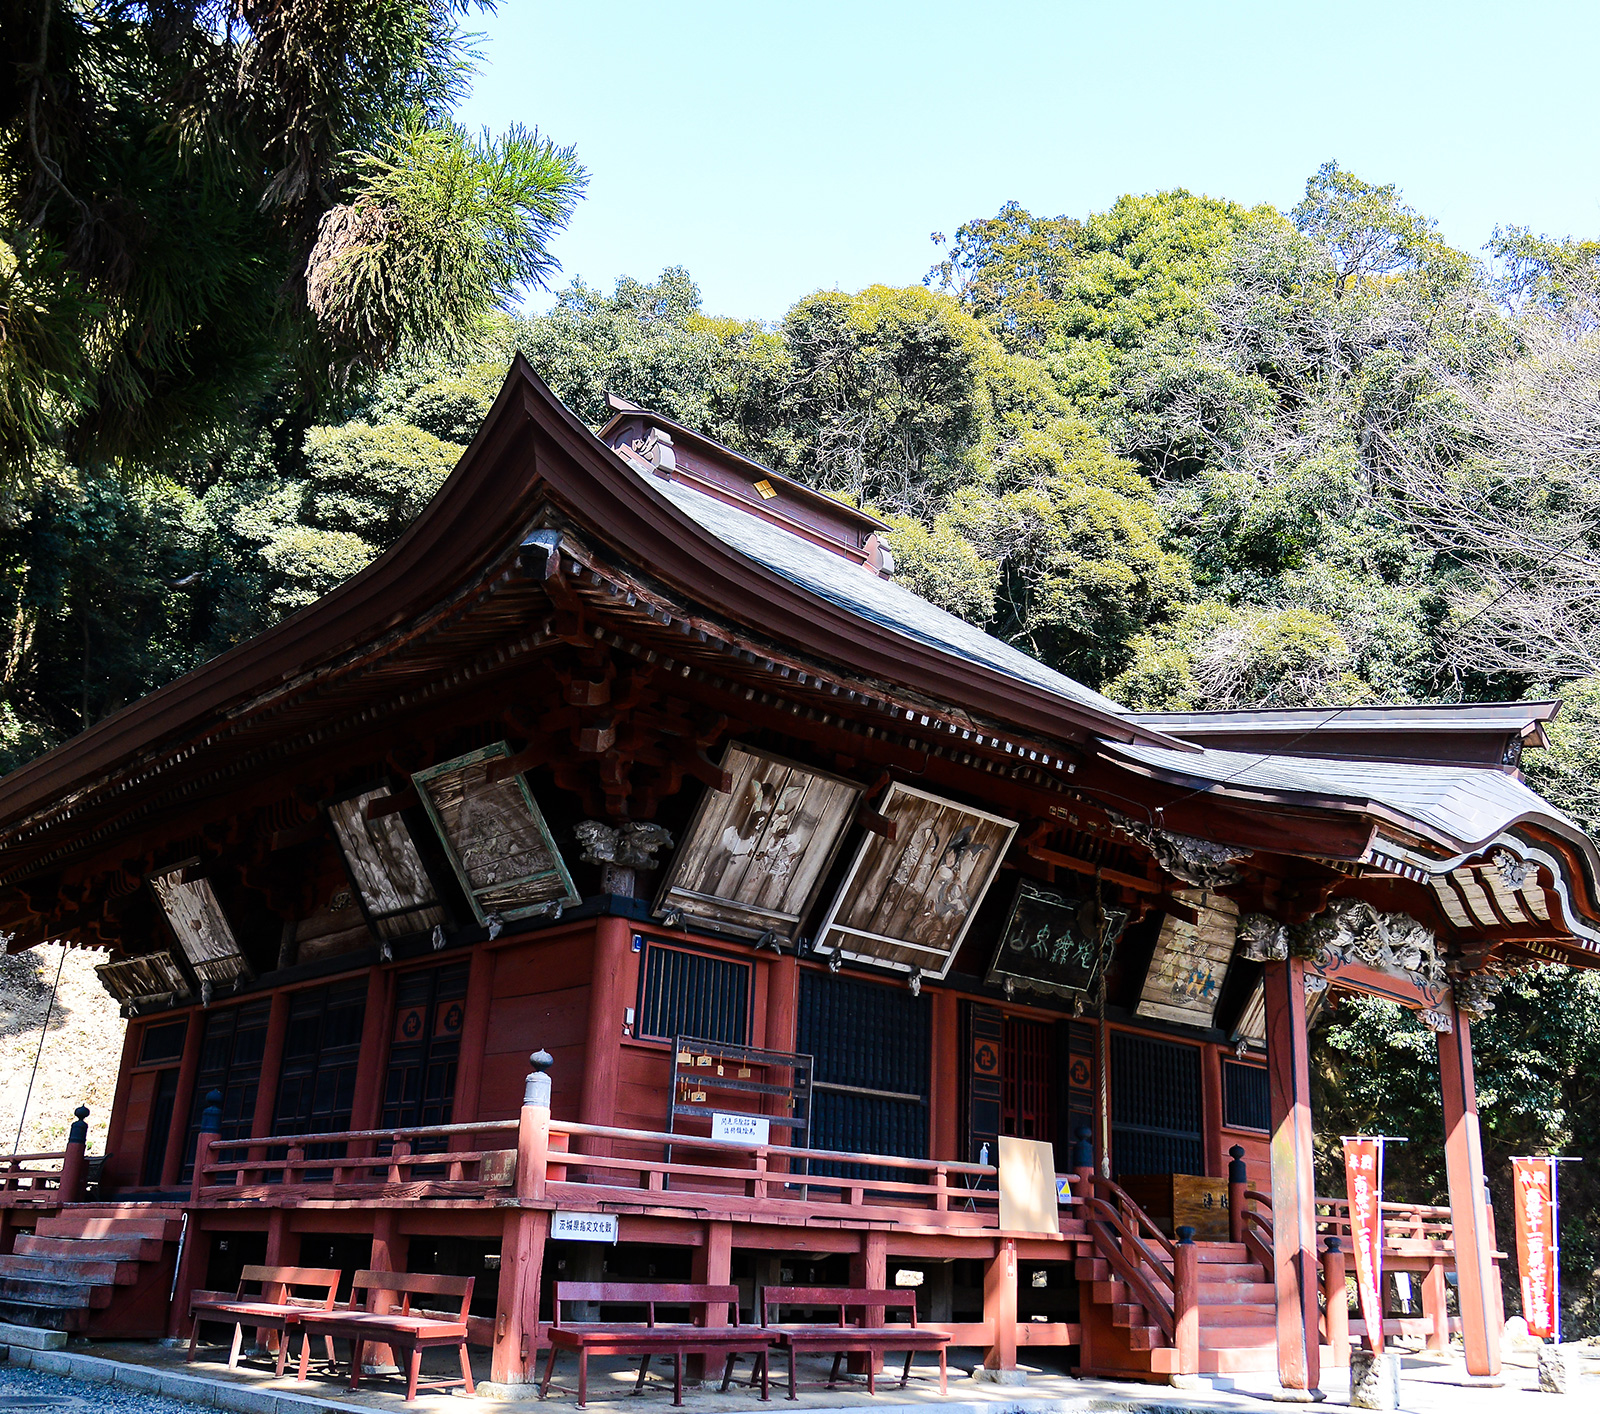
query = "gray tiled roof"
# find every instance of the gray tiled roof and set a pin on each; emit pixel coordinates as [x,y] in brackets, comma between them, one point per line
[882,601]
[1466,804]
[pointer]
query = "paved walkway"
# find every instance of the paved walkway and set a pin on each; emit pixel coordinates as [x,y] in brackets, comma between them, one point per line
[148,1375]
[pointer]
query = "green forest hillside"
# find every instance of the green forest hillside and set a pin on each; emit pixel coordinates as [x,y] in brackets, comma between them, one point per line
[1193,454]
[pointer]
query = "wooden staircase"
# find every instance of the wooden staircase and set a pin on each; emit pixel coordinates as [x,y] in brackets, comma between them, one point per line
[1238,1318]
[94,1270]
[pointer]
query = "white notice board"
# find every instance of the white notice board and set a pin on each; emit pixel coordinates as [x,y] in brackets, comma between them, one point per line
[742,1129]
[583,1227]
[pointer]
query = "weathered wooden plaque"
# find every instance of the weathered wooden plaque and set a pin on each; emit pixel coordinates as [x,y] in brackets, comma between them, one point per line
[200,927]
[381,858]
[150,977]
[496,837]
[1184,982]
[907,904]
[753,859]
[1054,943]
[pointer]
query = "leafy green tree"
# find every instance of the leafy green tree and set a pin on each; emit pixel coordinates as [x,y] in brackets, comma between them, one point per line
[200,202]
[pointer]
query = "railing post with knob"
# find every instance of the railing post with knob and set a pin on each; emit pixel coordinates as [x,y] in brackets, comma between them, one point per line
[194,1247]
[74,1166]
[1083,1164]
[533,1128]
[1336,1303]
[1238,1182]
[1186,1302]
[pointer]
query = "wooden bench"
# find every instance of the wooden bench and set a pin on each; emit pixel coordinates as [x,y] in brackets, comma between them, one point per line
[274,1308]
[678,1339]
[843,1338]
[408,1330]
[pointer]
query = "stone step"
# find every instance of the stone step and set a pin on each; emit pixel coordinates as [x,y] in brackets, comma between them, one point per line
[61,1269]
[46,1318]
[95,1225]
[91,1249]
[33,1291]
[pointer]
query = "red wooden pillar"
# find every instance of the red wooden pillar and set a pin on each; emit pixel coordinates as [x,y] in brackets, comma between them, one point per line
[712,1265]
[1434,1309]
[474,1036]
[783,1000]
[522,1239]
[277,1256]
[944,1121]
[1469,1216]
[74,1166]
[271,1068]
[869,1267]
[131,1037]
[366,1103]
[608,1002]
[1336,1303]
[1294,1227]
[1211,1110]
[196,1254]
[389,1252]
[1000,1306]
[183,1101]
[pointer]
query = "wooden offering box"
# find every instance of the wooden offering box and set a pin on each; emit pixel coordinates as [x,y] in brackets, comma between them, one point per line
[1177,1200]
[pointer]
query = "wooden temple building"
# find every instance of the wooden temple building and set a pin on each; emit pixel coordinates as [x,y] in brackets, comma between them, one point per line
[631,756]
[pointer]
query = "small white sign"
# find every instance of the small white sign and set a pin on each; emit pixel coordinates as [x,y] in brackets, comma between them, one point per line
[583,1227]
[742,1129]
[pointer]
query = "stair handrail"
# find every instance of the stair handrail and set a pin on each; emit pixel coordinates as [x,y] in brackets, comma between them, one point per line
[1257,1248]
[1104,1224]
[1136,1214]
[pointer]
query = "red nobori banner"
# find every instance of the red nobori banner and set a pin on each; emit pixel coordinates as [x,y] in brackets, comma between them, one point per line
[1536,1243]
[1364,1187]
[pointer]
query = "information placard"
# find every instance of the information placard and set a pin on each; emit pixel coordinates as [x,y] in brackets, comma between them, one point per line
[583,1227]
[742,1129]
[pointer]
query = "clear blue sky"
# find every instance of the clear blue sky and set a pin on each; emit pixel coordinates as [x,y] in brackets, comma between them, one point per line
[779,148]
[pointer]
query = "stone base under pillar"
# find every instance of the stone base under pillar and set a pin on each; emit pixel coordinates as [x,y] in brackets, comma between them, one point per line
[1374,1379]
[1558,1369]
[984,1375]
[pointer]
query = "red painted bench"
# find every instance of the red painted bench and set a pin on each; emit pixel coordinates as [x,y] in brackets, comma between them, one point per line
[676,1339]
[844,1338]
[408,1329]
[274,1308]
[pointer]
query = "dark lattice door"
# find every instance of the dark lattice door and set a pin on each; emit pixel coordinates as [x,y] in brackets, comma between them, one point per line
[1155,1106]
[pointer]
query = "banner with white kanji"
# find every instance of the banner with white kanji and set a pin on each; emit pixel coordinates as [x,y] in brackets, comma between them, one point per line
[1533,1183]
[1363,1177]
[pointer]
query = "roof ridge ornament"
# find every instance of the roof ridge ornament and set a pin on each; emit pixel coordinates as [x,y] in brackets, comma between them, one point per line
[1201,863]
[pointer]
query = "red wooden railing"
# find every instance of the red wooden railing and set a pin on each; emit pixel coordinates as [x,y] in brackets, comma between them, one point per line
[16,1175]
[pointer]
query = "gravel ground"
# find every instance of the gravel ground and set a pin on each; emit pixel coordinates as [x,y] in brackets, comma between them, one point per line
[28,1389]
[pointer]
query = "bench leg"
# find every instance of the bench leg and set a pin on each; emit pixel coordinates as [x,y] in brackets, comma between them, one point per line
[413,1369]
[549,1369]
[833,1377]
[644,1367]
[766,1393]
[305,1353]
[793,1383]
[677,1377]
[283,1351]
[466,1369]
[356,1347]
[872,1372]
[238,1340]
[194,1336]
[727,1373]
[905,1377]
[583,1378]
[942,1387]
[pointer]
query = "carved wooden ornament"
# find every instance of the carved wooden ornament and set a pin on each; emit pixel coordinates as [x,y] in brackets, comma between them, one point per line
[753,859]
[381,858]
[496,837]
[200,927]
[907,904]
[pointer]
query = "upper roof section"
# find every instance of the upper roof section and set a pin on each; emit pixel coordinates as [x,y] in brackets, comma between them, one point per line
[1485,734]
[680,455]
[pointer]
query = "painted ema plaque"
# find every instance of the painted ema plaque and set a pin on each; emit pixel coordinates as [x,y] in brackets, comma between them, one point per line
[1184,982]
[495,836]
[906,903]
[1054,943]
[753,858]
[396,893]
